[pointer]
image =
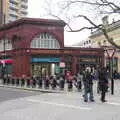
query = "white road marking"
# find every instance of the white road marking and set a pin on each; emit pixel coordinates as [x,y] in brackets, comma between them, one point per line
[113,103]
[59,104]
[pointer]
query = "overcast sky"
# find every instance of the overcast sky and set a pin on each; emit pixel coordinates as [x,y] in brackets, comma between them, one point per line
[36,9]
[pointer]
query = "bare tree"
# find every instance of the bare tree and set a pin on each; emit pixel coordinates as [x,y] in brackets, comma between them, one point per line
[90,11]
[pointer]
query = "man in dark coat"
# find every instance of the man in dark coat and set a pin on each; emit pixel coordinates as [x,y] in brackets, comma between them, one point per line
[103,83]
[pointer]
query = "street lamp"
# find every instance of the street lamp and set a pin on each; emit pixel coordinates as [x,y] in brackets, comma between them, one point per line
[110,52]
[4,52]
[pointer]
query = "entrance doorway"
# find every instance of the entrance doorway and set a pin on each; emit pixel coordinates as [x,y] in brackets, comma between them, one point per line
[43,69]
[82,67]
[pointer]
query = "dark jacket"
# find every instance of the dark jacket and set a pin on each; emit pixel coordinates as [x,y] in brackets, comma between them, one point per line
[89,78]
[103,79]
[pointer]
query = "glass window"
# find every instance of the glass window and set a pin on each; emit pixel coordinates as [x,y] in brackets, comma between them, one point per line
[8,45]
[45,40]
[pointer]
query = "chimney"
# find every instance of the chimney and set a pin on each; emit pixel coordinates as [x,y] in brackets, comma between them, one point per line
[105,20]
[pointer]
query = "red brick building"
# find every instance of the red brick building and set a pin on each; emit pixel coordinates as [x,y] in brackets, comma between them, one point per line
[36,47]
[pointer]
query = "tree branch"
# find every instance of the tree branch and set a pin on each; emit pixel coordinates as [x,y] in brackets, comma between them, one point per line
[90,21]
[109,39]
[115,8]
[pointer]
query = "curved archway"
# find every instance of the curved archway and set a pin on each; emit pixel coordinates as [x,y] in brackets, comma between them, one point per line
[45,40]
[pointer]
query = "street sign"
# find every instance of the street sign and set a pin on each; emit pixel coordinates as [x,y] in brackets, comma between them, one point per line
[3,62]
[110,52]
[62,64]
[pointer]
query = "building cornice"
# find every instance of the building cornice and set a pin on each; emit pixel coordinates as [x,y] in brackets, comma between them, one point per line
[33,21]
[111,27]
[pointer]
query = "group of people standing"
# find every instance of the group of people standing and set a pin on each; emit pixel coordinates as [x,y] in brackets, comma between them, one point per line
[88,84]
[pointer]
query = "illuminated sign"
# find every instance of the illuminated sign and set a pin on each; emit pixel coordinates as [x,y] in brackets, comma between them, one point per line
[46,51]
[6,61]
[62,64]
[88,60]
[49,60]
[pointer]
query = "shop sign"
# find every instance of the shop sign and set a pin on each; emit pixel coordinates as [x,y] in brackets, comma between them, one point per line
[46,51]
[110,52]
[62,64]
[9,61]
[88,60]
[49,60]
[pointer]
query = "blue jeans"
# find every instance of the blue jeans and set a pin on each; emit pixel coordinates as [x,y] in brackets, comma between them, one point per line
[90,93]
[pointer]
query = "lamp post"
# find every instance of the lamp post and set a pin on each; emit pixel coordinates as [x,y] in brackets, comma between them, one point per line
[110,52]
[4,52]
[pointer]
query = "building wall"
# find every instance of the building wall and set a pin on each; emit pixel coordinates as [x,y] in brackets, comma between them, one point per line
[21,65]
[0,11]
[98,40]
[101,39]
[23,31]
[14,10]
[21,36]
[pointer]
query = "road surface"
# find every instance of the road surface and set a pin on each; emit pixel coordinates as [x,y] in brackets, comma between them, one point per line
[25,105]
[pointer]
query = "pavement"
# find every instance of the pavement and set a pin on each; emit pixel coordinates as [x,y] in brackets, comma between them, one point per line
[59,105]
[7,94]
[55,106]
[57,90]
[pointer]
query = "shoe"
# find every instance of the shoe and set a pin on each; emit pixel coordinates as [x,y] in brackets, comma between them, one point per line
[83,96]
[85,101]
[104,100]
[92,100]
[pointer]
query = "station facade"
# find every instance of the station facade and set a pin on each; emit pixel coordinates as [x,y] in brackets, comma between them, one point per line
[35,47]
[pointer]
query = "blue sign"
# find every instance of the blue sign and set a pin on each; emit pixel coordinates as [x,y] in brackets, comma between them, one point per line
[49,60]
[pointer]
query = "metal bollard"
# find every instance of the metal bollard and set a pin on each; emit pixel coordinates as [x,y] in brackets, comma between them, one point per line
[22,82]
[79,86]
[61,84]
[54,84]
[70,85]
[46,83]
[4,81]
[34,82]
[28,82]
[40,82]
[8,80]
[17,82]
[13,81]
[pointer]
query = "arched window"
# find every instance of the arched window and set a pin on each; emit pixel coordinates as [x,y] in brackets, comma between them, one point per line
[45,40]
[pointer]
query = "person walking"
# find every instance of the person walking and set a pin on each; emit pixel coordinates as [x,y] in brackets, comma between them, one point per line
[79,81]
[88,86]
[103,83]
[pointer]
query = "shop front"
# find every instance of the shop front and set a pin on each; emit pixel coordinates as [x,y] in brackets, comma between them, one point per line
[88,61]
[36,48]
[44,66]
